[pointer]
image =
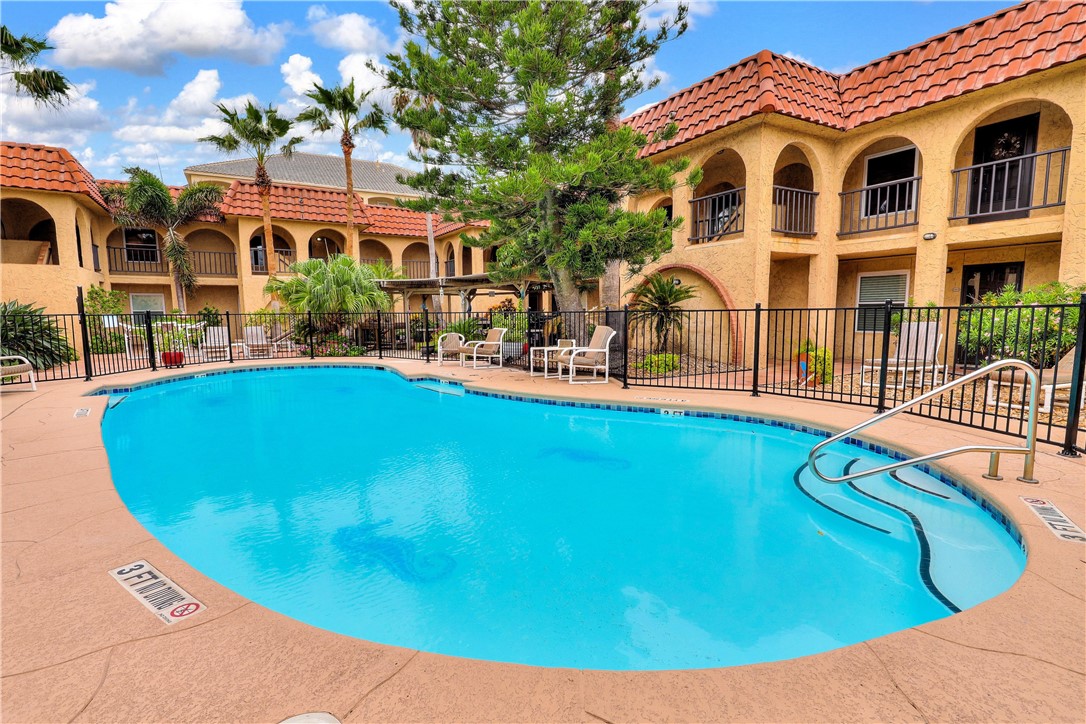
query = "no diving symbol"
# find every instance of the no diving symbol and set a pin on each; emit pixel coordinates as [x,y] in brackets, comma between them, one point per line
[185,610]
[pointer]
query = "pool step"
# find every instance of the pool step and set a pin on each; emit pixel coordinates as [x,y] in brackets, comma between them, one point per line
[441,388]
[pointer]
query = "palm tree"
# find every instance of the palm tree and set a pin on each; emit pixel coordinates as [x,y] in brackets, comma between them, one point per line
[257,131]
[656,303]
[340,109]
[339,285]
[146,202]
[421,140]
[46,87]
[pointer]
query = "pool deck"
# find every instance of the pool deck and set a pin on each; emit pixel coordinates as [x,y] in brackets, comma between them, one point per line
[76,647]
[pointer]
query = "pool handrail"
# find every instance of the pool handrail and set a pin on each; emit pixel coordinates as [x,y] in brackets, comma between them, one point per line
[1029,450]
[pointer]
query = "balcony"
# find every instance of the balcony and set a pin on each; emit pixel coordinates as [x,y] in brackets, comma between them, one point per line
[794,211]
[1010,188]
[890,205]
[283,259]
[416,269]
[215,263]
[151,261]
[716,215]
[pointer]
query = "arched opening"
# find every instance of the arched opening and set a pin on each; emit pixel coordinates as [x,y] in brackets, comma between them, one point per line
[135,251]
[29,233]
[416,261]
[282,250]
[794,193]
[213,253]
[450,260]
[371,251]
[1012,162]
[717,206]
[465,260]
[381,201]
[325,244]
[667,205]
[881,186]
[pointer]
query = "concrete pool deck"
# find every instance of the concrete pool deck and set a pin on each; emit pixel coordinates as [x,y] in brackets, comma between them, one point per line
[76,647]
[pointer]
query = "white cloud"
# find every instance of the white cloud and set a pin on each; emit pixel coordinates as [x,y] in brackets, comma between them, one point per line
[141,35]
[347,31]
[299,78]
[69,126]
[650,72]
[356,67]
[664,10]
[800,58]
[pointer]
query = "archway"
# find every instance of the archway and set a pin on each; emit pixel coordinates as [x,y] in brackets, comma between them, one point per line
[717,206]
[29,233]
[880,187]
[416,260]
[794,196]
[371,251]
[282,249]
[326,243]
[213,252]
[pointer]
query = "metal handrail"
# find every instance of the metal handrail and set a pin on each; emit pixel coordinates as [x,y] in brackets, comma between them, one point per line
[1030,449]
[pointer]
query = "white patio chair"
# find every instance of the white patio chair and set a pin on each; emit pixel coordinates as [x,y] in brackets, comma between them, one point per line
[917,355]
[215,345]
[449,344]
[488,349]
[21,367]
[596,357]
[256,344]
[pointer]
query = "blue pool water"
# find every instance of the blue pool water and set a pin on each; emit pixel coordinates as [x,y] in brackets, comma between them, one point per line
[356,501]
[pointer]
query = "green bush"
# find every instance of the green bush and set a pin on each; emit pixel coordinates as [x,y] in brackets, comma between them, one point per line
[660,364]
[820,360]
[1026,329]
[928,313]
[107,342]
[99,301]
[28,332]
[210,316]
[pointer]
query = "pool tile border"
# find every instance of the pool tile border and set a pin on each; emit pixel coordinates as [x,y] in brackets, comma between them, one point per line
[985,503]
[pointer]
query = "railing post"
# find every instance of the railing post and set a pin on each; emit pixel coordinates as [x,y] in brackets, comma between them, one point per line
[309,324]
[149,331]
[1078,371]
[426,334]
[757,348]
[887,310]
[87,373]
[379,348]
[229,338]
[625,346]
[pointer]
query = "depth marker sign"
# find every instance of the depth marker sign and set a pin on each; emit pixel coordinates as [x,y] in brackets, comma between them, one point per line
[156,592]
[1060,525]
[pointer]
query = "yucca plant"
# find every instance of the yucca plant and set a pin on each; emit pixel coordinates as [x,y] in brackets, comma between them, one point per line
[655,305]
[28,332]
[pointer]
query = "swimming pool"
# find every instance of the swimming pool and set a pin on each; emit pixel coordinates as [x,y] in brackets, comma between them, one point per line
[416,515]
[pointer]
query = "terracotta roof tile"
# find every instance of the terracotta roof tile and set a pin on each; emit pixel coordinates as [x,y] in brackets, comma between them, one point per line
[1014,42]
[298,203]
[45,168]
[394,221]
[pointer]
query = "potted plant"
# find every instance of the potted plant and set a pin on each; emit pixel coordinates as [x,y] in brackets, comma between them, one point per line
[172,342]
[814,364]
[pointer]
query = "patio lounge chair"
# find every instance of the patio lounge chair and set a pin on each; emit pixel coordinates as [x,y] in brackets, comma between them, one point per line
[215,345]
[1051,379]
[916,355]
[596,357]
[488,349]
[449,344]
[256,344]
[21,367]
[282,342]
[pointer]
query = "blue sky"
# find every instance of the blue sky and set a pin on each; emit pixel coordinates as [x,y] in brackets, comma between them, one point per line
[148,72]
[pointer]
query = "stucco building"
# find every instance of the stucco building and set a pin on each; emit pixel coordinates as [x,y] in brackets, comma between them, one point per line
[936,173]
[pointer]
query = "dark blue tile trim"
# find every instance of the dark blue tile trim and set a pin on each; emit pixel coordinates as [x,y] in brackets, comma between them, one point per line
[986,505]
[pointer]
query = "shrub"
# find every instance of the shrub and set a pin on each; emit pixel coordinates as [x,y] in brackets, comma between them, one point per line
[660,364]
[99,301]
[928,313]
[1025,328]
[506,305]
[820,360]
[210,316]
[28,332]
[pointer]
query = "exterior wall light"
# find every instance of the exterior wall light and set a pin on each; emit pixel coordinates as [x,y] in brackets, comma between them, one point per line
[930,236]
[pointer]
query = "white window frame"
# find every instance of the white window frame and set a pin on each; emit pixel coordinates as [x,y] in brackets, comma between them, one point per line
[916,185]
[867,305]
[146,295]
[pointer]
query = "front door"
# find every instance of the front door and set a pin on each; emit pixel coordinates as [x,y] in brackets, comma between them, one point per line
[980,279]
[1004,185]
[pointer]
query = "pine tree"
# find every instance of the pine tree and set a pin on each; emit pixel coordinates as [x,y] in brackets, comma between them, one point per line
[522,134]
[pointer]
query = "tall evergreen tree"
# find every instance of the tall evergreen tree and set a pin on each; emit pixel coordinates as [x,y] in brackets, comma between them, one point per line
[521,131]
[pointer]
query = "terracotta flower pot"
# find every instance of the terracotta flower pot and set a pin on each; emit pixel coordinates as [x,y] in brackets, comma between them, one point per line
[173,359]
[806,374]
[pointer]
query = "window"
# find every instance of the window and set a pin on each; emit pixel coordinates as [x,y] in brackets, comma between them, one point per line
[882,170]
[873,291]
[141,245]
[147,303]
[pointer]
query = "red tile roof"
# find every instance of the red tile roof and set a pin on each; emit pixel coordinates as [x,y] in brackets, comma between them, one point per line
[45,168]
[1020,40]
[298,203]
[394,221]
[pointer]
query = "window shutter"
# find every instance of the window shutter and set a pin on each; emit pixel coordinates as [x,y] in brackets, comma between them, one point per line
[873,291]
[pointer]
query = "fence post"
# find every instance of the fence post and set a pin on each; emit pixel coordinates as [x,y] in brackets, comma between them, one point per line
[1078,371]
[379,350]
[309,324]
[229,338]
[887,310]
[87,373]
[757,348]
[149,331]
[426,334]
[625,346]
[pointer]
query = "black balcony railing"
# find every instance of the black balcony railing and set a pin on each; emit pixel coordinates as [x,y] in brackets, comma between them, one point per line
[716,215]
[215,263]
[417,269]
[450,268]
[889,205]
[283,260]
[1010,188]
[794,211]
[136,261]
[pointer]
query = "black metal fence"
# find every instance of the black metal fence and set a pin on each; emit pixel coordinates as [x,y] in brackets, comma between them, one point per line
[878,355]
